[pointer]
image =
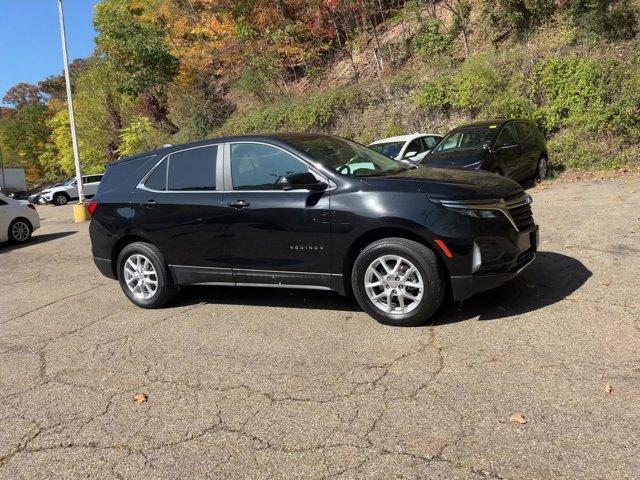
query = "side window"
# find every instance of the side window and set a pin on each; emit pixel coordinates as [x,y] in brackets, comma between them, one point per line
[430,142]
[158,178]
[256,166]
[416,146]
[507,137]
[2,202]
[524,131]
[193,169]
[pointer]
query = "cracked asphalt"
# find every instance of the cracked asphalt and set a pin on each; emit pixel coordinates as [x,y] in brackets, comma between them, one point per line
[262,384]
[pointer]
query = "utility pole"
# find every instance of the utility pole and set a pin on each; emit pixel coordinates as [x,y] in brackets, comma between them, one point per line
[72,121]
[4,184]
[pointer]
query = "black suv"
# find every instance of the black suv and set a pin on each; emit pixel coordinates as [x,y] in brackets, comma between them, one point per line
[513,148]
[308,211]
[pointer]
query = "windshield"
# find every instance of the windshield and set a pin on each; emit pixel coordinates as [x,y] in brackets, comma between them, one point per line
[346,157]
[388,149]
[468,139]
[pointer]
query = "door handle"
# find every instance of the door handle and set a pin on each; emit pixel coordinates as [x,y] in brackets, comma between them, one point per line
[149,203]
[240,204]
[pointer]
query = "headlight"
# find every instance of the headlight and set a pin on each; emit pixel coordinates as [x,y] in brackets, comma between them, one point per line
[470,208]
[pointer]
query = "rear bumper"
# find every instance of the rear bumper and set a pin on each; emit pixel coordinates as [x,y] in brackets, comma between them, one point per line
[104,265]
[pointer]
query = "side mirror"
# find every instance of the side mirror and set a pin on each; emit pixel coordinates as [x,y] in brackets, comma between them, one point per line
[410,154]
[301,181]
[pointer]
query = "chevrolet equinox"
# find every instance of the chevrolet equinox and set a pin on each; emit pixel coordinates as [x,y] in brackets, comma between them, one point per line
[301,210]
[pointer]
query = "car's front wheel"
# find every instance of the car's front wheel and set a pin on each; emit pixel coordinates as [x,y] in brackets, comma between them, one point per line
[60,199]
[20,231]
[144,277]
[398,282]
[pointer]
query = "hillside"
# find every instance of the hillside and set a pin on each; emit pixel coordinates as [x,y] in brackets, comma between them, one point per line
[169,71]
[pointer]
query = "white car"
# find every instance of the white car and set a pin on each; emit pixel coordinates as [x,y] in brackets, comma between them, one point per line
[18,220]
[411,147]
[62,194]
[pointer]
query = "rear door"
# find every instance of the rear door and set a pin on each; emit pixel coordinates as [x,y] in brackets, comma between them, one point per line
[178,206]
[507,152]
[5,220]
[530,150]
[276,237]
[91,184]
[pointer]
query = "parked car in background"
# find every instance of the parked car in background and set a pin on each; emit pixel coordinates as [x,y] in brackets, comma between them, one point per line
[512,148]
[411,147]
[18,220]
[19,195]
[67,191]
[308,211]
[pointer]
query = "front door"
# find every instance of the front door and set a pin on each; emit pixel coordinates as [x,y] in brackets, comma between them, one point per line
[179,209]
[276,237]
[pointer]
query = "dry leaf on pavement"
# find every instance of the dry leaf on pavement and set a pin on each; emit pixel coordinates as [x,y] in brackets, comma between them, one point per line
[518,418]
[140,398]
[608,388]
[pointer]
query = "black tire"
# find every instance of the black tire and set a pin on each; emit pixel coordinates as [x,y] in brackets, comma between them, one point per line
[542,170]
[20,230]
[426,262]
[60,199]
[165,290]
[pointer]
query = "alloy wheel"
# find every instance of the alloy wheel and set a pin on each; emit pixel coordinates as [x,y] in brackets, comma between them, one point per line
[20,231]
[394,285]
[140,276]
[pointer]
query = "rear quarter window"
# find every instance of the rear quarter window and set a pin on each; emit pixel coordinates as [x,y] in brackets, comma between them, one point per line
[122,177]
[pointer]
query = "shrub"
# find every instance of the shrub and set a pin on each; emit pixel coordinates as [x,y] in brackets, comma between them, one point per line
[475,86]
[583,151]
[430,40]
[610,19]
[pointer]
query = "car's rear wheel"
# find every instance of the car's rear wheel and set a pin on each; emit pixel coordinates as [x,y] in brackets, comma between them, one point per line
[398,282]
[60,199]
[144,277]
[541,172]
[20,231]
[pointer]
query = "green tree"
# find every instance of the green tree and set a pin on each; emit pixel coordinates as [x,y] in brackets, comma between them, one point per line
[139,48]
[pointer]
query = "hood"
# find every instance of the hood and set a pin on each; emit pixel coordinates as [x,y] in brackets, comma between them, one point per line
[455,184]
[459,158]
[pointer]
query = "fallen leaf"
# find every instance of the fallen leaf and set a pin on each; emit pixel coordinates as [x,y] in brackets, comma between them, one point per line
[608,388]
[518,418]
[140,398]
[567,245]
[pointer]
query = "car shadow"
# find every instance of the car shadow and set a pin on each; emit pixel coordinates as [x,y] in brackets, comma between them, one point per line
[551,278]
[36,239]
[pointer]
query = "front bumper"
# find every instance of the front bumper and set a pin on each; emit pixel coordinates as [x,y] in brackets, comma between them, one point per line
[464,286]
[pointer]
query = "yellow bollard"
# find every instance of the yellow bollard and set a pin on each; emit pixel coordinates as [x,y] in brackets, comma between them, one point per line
[80,213]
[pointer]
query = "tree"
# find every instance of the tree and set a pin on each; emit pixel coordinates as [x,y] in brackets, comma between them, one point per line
[54,85]
[139,48]
[23,94]
[25,132]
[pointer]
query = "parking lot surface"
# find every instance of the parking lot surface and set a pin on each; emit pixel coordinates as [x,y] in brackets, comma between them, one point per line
[251,383]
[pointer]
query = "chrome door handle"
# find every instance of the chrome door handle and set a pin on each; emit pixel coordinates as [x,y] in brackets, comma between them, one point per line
[149,204]
[239,204]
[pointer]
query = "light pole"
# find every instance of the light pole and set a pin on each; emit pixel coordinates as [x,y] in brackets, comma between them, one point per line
[72,121]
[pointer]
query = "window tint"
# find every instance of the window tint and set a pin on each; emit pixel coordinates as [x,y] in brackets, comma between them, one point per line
[507,136]
[259,167]
[193,169]
[158,178]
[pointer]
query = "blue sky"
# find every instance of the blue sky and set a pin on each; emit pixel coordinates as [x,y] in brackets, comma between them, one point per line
[30,38]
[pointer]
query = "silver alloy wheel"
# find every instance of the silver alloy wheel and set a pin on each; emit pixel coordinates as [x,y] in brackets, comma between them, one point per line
[61,200]
[542,168]
[20,231]
[140,276]
[394,285]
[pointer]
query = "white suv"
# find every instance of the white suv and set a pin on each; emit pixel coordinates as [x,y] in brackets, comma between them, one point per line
[61,194]
[411,147]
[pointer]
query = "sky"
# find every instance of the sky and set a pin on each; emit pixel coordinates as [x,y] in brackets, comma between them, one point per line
[30,48]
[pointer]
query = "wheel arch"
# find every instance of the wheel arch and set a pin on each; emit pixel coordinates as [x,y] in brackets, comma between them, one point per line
[120,245]
[371,236]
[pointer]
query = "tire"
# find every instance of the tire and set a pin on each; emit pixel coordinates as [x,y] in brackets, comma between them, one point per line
[141,292]
[412,312]
[20,230]
[542,169]
[60,199]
